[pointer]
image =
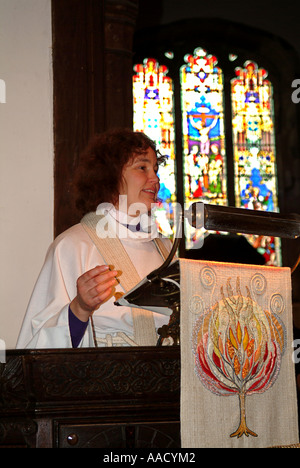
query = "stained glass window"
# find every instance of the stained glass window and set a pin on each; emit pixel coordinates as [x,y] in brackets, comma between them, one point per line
[153,115]
[203,132]
[254,149]
[204,152]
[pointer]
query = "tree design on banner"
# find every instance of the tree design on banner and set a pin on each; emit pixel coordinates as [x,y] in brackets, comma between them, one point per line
[238,348]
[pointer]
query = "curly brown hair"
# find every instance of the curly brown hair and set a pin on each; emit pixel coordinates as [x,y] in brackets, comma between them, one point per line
[99,172]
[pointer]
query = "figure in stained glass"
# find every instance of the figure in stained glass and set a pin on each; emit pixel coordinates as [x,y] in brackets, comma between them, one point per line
[204,159]
[254,148]
[203,128]
[153,114]
[203,132]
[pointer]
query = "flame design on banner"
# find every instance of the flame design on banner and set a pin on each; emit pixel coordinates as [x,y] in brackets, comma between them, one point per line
[238,348]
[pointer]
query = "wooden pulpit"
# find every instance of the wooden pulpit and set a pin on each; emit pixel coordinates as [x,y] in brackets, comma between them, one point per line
[123,397]
[91,398]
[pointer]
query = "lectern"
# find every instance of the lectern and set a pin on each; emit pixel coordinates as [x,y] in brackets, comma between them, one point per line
[161,288]
[114,397]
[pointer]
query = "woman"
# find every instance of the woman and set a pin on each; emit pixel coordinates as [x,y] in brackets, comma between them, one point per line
[110,251]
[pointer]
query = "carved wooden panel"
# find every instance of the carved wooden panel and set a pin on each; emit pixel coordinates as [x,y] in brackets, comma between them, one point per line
[12,385]
[110,397]
[105,373]
[154,435]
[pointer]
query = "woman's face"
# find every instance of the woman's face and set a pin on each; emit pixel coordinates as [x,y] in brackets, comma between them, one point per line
[140,182]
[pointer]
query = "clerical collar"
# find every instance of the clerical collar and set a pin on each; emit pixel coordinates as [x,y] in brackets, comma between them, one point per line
[141,227]
[134,227]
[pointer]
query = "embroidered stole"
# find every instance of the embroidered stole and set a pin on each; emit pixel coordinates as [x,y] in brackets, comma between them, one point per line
[113,253]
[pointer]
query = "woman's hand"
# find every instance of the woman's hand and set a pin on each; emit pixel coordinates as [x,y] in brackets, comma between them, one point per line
[93,288]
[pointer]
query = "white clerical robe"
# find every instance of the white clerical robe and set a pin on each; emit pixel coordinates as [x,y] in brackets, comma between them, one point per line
[46,322]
